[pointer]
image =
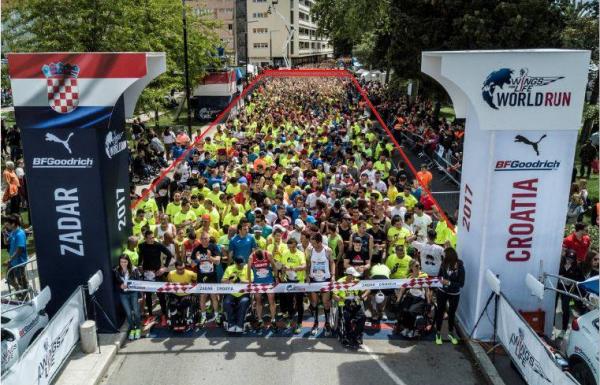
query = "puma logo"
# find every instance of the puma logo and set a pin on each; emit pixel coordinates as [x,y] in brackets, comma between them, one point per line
[53,138]
[522,139]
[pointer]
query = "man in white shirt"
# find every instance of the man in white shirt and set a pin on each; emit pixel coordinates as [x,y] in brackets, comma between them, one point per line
[431,254]
[379,184]
[421,222]
[313,197]
[398,208]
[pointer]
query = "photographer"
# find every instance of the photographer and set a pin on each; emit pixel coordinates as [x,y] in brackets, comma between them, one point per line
[16,239]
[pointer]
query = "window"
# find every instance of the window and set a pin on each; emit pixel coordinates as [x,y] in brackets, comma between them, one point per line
[230,27]
[259,1]
[261,45]
[260,15]
[260,30]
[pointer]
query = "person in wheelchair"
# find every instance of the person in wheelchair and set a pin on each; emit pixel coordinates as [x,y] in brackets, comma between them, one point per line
[180,312]
[351,324]
[236,305]
[379,298]
[413,304]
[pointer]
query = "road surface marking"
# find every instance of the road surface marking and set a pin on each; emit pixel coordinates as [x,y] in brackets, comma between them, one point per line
[384,366]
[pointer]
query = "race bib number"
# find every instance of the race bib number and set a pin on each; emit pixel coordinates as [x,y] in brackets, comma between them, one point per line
[292,276]
[319,275]
[162,192]
[262,273]
[149,275]
[206,267]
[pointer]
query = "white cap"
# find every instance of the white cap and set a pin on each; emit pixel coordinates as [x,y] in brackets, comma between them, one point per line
[298,222]
[352,271]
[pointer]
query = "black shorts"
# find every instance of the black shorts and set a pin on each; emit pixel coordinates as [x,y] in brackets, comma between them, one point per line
[207,278]
[385,291]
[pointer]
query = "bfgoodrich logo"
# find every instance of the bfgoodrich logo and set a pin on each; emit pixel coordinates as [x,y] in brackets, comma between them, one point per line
[506,88]
[527,165]
[61,162]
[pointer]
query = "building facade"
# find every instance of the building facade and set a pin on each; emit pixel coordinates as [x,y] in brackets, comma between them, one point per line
[222,10]
[267,31]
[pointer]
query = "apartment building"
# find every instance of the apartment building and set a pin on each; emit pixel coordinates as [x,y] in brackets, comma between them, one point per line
[221,10]
[266,30]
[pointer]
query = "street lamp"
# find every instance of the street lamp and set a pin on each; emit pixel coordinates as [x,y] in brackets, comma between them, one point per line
[186,70]
[271,45]
[248,45]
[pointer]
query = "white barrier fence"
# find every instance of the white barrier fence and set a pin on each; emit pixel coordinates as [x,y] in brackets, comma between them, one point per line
[41,361]
[526,349]
[228,288]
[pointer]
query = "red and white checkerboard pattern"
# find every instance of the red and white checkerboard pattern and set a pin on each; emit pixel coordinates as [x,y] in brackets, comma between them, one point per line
[258,288]
[177,288]
[420,282]
[63,94]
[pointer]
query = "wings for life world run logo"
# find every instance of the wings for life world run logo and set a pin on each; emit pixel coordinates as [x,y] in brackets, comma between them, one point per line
[510,88]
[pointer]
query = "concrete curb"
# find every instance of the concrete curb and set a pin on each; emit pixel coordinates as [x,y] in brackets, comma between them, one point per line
[481,358]
[89,369]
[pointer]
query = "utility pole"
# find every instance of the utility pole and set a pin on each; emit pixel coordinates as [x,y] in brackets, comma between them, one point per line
[186,70]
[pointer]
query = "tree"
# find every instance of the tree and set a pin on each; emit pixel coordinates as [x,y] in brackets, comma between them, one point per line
[114,26]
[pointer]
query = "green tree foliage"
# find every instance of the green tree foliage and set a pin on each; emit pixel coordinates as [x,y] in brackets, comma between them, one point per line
[394,33]
[114,26]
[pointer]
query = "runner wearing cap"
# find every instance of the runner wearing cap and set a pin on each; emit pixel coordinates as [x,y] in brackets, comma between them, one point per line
[350,302]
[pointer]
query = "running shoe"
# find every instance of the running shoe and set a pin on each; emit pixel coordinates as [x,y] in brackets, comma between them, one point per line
[163,321]
[131,335]
[314,331]
[453,339]
[202,320]
[218,319]
[410,334]
[438,339]
[231,329]
[149,320]
[238,329]
[404,333]
[297,329]
[138,334]
[384,317]
[327,330]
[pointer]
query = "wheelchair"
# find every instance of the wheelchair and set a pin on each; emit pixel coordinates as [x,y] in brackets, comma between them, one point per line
[421,322]
[348,322]
[181,312]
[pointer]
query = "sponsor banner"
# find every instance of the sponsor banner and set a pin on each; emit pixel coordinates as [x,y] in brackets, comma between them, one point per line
[284,287]
[527,351]
[43,359]
[71,110]
[523,112]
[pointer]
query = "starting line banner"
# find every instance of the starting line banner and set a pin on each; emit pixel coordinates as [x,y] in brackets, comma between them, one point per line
[230,288]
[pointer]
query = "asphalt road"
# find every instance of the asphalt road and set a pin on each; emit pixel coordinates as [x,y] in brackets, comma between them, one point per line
[296,360]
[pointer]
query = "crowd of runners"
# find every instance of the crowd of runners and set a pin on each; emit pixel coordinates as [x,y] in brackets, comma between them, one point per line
[301,185]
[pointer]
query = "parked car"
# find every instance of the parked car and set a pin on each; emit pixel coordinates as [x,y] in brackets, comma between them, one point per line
[582,348]
[21,322]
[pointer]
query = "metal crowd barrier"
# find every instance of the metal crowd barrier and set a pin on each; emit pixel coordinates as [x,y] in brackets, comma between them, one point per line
[30,274]
[442,163]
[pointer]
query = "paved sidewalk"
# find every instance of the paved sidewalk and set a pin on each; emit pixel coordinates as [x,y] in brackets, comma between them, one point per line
[88,369]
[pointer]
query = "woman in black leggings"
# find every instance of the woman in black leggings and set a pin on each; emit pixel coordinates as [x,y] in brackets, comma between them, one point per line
[452,273]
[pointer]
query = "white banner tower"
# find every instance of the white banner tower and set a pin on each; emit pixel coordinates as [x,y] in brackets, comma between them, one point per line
[523,111]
